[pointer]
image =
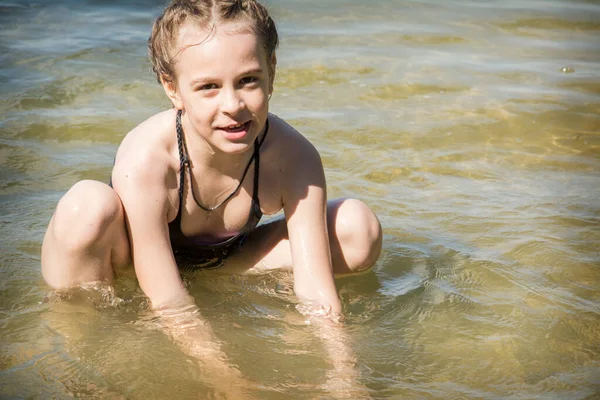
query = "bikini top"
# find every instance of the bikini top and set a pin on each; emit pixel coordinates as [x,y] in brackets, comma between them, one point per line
[198,247]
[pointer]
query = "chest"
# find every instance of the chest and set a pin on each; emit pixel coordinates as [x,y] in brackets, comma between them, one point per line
[238,208]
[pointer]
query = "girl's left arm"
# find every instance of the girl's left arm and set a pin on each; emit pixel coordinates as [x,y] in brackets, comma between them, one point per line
[304,197]
[305,207]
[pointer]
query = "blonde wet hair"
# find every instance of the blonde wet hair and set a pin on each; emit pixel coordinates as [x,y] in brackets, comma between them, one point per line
[206,14]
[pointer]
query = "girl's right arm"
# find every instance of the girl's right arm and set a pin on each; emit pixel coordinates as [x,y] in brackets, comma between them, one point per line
[142,186]
[141,182]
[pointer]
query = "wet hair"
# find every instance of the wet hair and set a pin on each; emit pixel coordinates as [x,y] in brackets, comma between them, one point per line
[206,14]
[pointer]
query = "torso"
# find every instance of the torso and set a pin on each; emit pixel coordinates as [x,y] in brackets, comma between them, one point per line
[156,139]
[197,249]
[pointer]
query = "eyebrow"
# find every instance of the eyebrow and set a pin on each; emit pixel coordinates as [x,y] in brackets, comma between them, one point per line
[202,80]
[253,71]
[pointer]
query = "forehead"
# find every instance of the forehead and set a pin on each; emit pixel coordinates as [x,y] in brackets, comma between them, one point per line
[224,43]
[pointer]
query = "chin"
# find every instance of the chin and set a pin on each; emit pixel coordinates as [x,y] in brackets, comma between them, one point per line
[236,147]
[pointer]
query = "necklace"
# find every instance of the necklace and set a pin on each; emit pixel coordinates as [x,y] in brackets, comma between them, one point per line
[185,162]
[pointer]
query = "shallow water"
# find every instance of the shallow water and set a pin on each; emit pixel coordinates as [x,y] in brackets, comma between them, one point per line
[472,129]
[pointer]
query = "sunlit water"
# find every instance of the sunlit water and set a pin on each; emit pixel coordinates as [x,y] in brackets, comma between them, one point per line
[470,127]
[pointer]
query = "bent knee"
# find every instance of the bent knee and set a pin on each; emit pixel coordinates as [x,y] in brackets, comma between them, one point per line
[85,213]
[359,233]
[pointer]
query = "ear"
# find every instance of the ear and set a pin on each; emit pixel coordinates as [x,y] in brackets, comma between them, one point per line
[170,88]
[272,68]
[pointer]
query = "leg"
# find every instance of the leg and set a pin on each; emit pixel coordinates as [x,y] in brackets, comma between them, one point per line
[354,235]
[86,238]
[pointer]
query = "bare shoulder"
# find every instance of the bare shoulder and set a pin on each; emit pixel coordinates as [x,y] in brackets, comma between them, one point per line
[289,145]
[291,164]
[151,135]
[147,157]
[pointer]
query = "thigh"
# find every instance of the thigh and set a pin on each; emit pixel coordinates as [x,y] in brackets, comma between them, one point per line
[268,246]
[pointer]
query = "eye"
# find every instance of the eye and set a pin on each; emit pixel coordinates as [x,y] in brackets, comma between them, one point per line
[208,86]
[248,80]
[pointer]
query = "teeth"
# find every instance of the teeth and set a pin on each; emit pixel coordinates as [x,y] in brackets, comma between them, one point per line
[235,126]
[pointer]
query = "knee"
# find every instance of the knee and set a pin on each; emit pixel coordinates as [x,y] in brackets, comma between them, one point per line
[359,233]
[84,214]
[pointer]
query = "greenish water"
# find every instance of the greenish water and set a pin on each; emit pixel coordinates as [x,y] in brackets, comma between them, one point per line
[473,130]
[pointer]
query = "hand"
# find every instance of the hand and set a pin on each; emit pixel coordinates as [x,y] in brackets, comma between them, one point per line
[193,335]
[343,381]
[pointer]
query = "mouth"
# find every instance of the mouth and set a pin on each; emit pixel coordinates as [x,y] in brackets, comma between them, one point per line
[236,131]
[236,127]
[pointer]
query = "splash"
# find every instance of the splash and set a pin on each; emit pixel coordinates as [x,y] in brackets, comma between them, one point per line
[312,309]
[100,295]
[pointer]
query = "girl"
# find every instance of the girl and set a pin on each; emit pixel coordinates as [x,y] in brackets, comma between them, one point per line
[190,184]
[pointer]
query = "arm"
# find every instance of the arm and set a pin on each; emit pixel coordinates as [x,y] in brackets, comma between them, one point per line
[305,207]
[142,186]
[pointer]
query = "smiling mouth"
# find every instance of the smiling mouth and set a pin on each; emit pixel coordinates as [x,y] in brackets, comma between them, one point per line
[236,127]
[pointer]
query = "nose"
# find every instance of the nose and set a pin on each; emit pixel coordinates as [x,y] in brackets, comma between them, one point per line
[231,102]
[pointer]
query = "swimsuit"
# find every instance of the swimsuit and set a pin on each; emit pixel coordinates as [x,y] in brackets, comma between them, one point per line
[192,253]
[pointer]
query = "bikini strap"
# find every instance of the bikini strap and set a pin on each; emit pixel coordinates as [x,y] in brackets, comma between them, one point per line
[257,146]
[183,159]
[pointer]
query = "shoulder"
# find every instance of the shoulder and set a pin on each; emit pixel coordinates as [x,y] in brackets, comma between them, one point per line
[151,133]
[292,157]
[289,146]
[147,157]
[148,142]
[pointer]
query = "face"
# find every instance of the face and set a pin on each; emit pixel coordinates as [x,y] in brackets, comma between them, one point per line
[222,84]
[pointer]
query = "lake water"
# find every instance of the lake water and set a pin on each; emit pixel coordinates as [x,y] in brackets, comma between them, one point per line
[471,127]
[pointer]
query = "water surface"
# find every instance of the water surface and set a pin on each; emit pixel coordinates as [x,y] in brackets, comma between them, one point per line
[472,129]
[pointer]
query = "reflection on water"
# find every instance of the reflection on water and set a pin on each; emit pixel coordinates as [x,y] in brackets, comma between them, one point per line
[472,128]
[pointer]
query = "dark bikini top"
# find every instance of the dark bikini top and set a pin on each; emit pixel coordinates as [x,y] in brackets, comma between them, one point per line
[195,250]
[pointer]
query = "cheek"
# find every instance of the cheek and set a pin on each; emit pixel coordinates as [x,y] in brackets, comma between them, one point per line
[201,112]
[257,100]
[198,104]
